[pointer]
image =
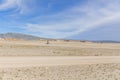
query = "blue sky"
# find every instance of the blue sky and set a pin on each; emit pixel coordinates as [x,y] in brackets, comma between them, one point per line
[62,18]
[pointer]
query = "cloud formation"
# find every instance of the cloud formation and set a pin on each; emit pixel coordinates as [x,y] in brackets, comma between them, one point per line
[17,6]
[51,20]
[7,4]
[80,18]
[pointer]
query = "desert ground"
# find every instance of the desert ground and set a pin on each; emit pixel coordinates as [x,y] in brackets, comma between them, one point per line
[60,68]
[57,48]
[52,60]
[59,60]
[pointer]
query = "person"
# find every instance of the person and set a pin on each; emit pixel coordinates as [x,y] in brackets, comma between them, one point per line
[47,42]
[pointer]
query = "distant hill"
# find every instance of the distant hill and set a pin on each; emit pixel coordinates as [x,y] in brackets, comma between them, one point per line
[19,36]
[105,41]
[31,37]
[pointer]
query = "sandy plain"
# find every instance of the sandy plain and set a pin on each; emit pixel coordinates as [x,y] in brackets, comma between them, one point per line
[57,48]
[60,68]
[109,71]
[52,60]
[59,60]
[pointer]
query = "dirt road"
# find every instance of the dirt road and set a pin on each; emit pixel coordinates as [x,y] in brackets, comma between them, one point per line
[50,61]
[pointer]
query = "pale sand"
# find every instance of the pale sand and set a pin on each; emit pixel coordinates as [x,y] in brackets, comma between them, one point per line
[50,60]
[60,68]
[58,48]
[63,72]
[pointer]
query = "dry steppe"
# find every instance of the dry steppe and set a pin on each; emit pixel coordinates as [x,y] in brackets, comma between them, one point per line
[63,72]
[58,60]
[60,68]
[57,48]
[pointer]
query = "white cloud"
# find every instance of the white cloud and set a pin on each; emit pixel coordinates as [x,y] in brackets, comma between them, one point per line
[7,4]
[80,18]
[18,5]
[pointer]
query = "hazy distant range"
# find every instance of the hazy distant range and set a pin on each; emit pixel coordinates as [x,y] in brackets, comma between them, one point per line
[31,37]
[20,36]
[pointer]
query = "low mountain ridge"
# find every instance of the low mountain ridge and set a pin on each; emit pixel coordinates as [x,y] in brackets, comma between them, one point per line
[19,36]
